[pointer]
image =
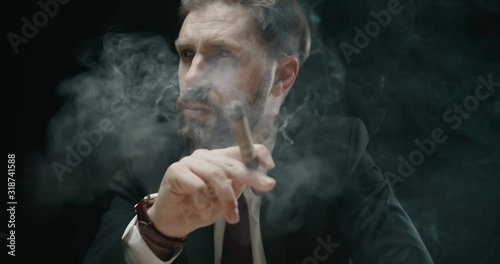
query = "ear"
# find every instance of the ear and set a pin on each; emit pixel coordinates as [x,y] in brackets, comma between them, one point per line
[286,73]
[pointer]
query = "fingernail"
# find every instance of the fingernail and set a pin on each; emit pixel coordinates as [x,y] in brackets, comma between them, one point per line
[236,215]
[268,180]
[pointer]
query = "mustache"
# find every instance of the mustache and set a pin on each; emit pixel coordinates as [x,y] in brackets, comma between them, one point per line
[200,96]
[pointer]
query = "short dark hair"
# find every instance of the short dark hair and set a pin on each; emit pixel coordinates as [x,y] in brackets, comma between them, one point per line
[282,24]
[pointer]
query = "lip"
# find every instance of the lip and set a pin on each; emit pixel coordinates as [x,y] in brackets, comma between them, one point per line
[197,106]
[196,110]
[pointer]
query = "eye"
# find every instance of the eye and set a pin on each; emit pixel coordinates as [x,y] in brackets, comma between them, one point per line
[186,53]
[223,54]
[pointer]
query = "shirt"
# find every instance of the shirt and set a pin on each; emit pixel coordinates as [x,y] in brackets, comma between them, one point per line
[137,251]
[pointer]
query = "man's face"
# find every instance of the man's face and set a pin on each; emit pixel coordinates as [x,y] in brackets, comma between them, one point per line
[222,58]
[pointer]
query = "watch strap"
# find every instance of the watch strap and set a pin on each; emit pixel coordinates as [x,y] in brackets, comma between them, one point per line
[147,229]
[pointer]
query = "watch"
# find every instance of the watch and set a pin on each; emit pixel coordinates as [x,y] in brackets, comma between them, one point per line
[147,229]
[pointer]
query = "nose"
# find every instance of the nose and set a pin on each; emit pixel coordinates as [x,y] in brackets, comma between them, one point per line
[196,76]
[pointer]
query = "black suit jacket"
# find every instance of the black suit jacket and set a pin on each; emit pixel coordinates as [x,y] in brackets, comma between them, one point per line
[331,203]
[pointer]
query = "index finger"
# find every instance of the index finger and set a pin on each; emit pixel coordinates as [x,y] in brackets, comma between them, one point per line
[263,155]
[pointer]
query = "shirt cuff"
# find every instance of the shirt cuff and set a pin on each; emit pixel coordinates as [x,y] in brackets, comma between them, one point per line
[136,249]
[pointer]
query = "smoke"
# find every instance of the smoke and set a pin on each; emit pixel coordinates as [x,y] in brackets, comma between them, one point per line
[122,97]
[123,104]
[305,123]
[427,59]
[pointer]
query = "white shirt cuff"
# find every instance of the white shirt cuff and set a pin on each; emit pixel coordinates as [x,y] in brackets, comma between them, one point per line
[136,249]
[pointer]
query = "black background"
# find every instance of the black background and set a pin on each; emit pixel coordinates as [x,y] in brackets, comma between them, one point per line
[453,198]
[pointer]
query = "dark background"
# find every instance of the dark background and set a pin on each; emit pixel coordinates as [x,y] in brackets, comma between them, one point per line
[429,58]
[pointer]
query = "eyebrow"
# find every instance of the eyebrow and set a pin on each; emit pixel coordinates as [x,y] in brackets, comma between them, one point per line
[212,44]
[182,44]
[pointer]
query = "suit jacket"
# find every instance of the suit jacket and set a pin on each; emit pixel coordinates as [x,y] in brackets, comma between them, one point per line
[331,203]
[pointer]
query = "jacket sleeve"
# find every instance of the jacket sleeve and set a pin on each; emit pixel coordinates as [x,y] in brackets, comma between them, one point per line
[107,246]
[118,239]
[371,219]
[140,173]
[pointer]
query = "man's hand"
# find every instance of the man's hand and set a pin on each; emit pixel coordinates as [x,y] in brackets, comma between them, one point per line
[199,188]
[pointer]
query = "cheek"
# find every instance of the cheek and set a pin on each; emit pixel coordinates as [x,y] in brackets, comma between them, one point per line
[254,81]
[244,85]
[256,74]
[248,77]
[181,75]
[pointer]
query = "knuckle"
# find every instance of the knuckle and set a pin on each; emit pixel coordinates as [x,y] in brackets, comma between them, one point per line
[199,188]
[235,168]
[184,160]
[220,183]
[200,152]
[175,184]
[200,200]
[175,166]
[219,180]
[217,173]
[211,192]
[173,169]
[261,149]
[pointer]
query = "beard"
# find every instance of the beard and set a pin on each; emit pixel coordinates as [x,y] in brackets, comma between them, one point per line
[196,133]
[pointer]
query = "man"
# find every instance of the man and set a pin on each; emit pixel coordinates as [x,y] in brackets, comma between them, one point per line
[319,200]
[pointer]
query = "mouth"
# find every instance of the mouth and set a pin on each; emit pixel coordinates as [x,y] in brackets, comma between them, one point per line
[196,110]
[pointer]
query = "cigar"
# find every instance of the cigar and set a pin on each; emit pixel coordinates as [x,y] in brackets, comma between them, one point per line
[241,131]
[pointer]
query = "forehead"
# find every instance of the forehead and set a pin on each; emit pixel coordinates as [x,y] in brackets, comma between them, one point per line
[219,22]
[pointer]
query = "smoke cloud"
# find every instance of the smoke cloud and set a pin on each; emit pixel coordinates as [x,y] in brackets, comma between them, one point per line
[120,98]
[428,58]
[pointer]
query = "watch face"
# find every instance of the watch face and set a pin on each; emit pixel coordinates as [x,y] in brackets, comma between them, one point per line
[141,210]
[144,204]
[151,196]
[150,201]
[147,228]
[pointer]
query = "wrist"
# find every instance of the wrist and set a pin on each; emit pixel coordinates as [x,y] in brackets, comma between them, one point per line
[148,230]
[164,226]
[163,252]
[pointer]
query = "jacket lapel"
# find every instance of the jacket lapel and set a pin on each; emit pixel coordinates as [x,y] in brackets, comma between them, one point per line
[273,242]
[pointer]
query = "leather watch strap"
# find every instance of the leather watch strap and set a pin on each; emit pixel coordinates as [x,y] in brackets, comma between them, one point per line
[148,230]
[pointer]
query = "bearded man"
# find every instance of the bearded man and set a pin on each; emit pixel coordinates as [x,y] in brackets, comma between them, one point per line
[205,205]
